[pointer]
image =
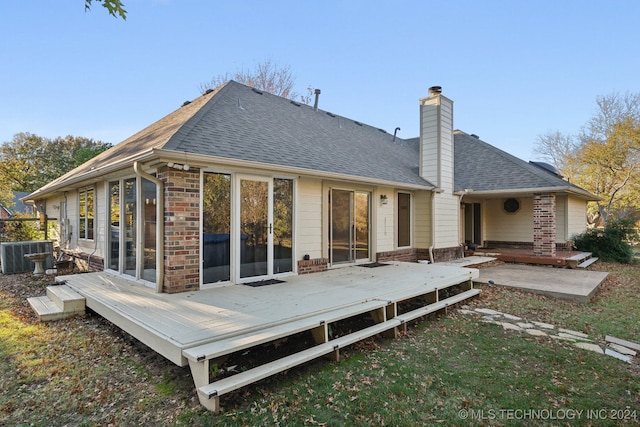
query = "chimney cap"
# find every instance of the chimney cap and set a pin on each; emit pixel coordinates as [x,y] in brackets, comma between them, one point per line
[435,90]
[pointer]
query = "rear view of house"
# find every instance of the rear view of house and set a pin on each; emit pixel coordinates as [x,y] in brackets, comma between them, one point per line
[240,185]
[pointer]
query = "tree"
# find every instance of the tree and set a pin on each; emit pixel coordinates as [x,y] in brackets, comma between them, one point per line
[605,159]
[267,76]
[556,148]
[115,7]
[30,161]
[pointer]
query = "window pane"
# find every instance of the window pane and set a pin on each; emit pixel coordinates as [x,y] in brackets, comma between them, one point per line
[114,233]
[130,222]
[404,219]
[254,205]
[216,227]
[90,214]
[150,222]
[282,225]
[82,225]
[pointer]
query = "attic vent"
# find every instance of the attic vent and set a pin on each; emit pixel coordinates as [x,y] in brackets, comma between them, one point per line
[186,103]
[382,130]
[297,104]
[330,114]
[258,91]
[547,167]
[208,91]
[358,123]
[475,136]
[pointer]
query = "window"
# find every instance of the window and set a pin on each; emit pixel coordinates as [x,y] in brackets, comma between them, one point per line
[404,220]
[86,214]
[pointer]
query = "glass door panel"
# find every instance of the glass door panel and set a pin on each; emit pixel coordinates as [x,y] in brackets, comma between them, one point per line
[349,213]
[282,225]
[361,213]
[150,223]
[130,222]
[115,228]
[254,228]
[216,227]
[341,214]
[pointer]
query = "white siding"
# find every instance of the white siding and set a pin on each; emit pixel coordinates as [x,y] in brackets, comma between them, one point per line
[576,216]
[436,141]
[310,213]
[506,227]
[446,221]
[384,220]
[561,219]
[422,219]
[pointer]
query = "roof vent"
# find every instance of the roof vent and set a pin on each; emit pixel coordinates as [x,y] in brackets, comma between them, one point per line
[475,136]
[258,91]
[208,91]
[435,90]
[315,104]
[297,104]
[547,167]
[186,103]
[330,114]
[358,123]
[382,130]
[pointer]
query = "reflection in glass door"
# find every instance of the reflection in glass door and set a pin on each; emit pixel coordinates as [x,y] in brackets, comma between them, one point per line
[255,228]
[349,226]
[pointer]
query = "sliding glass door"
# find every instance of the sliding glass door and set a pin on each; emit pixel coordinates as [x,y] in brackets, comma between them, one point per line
[349,228]
[247,226]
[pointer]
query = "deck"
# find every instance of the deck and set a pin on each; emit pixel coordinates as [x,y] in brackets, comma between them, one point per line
[197,327]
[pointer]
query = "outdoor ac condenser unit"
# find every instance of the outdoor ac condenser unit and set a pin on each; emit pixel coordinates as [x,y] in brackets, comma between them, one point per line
[12,255]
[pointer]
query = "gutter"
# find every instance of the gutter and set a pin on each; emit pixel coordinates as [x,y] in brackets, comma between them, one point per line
[527,191]
[203,161]
[159,223]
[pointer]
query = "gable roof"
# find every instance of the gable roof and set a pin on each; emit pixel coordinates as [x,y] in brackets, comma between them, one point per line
[486,170]
[238,125]
[236,122]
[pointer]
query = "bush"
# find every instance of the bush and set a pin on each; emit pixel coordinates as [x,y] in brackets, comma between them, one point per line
[610,243]
[21,231]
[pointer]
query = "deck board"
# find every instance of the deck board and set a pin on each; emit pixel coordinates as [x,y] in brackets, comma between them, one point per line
[171,323]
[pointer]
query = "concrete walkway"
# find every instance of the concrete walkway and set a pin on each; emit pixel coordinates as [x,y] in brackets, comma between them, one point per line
[577,285]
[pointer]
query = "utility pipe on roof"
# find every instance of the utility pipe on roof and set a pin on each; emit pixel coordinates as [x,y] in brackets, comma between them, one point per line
[159,223]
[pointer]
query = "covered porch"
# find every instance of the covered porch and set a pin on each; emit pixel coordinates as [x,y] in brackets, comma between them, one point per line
[199,328]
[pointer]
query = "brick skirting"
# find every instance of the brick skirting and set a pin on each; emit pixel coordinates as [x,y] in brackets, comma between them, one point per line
[306,266]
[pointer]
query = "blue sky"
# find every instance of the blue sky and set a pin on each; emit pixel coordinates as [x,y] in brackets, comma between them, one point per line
[514,69]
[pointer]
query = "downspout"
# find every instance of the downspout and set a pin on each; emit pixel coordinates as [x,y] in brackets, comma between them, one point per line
[159,223]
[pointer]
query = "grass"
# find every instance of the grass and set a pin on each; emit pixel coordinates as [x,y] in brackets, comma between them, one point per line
[449,370]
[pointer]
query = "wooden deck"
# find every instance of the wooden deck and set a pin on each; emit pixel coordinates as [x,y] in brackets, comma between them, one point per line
[197,327]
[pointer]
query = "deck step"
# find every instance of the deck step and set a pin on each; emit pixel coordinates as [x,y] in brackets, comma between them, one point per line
[436,306]
[60,302]
[66,298]
[574,261]
[588,262]
[209,394]
[237,381]
[268,333]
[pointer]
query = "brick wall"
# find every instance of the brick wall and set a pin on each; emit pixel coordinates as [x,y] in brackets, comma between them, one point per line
[312,265]
[182,230]
[544,225]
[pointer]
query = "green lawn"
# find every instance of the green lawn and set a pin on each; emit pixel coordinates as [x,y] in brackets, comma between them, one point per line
[447,370]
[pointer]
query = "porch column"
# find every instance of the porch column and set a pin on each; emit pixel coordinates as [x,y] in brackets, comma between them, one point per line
[544,225]
[181,229]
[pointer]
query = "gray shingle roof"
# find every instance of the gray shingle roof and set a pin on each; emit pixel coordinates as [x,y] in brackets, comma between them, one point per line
[237,122]
[484,168]
[240,123]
